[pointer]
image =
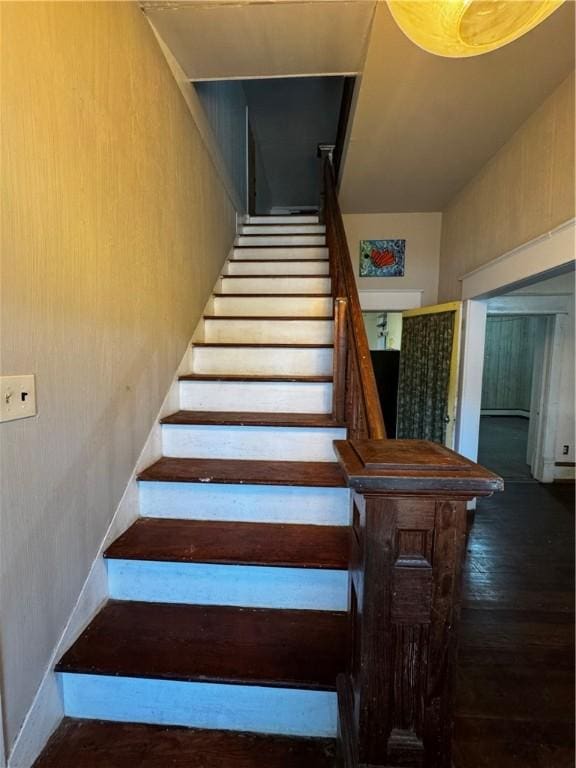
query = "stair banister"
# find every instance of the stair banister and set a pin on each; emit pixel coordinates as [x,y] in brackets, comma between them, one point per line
[407,544]
[362,410]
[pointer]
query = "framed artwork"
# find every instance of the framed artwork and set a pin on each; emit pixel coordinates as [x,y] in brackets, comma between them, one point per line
[382,258]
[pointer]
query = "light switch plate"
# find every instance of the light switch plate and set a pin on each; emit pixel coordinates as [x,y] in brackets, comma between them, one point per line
[17,397]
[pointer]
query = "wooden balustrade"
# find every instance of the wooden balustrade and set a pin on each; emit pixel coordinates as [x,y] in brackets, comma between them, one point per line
[408,533]
[409,525]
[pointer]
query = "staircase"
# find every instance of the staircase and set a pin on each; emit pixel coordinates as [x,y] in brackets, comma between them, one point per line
[226,623]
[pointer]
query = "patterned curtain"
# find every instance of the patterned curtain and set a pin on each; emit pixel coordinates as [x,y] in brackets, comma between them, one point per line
[424,376]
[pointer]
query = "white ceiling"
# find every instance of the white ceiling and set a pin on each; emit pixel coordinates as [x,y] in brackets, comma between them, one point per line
[424,125]
[283,38]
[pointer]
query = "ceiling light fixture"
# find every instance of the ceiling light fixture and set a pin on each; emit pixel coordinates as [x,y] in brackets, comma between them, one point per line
[461,28]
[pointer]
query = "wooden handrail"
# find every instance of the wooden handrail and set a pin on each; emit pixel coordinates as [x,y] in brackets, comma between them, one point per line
[359,401]
[409,522]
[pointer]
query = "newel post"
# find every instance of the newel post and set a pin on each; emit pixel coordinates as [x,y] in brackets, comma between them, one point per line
[409,526]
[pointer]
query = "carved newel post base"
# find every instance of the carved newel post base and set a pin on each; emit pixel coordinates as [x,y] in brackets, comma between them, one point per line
[409,526]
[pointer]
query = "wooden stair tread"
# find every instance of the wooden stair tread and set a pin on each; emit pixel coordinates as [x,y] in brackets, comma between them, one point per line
[260,318]
[321,474]
[105,744]
[298,233]
[267,261]
[259,345]
[253,646]
[275,276]
[252,377]
[259,294]
[253,419]
[238,246]
[265,544]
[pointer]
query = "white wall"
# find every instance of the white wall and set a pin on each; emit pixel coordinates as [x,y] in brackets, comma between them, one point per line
[422,234]
[225,107]
[370,323]
[116,224]
[508,362]
[523,192]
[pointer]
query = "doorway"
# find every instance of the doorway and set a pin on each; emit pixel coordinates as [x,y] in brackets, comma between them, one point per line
[546,362]
[514,343]
[384,332]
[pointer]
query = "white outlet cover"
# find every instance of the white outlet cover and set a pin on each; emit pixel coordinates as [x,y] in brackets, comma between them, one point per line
[17,397]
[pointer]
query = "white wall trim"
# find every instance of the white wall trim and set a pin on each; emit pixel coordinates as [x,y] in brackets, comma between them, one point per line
[547,407]
[564,473]
[545,253]
[530,304]
[270,77]
[390,300]
[2,749]
[47,710]
[471,371]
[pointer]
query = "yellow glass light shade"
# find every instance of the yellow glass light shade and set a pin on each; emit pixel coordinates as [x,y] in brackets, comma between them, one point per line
[460,28]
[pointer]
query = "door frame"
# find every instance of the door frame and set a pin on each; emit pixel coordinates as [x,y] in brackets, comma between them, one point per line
[453,382]
[3,755]
[545,401]
[552,253]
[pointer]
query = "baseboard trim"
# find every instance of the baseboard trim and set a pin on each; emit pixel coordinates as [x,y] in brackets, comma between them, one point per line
[564,474]
[47,710]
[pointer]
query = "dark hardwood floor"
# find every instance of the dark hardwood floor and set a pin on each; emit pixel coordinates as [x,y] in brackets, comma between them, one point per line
[503,445]
[515,690]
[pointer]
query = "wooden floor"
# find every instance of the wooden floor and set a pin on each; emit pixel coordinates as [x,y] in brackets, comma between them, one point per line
[515,695]
[503,444]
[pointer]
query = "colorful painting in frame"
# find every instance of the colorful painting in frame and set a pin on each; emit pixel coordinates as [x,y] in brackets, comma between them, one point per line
[382,258]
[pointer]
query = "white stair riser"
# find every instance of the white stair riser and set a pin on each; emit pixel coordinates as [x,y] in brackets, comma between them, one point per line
[200,705]
[280,253]
[262,360]
[273,306]
[269,331]
[203,441]
[282,229]
[305,267]
[239,585]
[245,503]
[281,219]
[260,396]
[246,240]
[274,285]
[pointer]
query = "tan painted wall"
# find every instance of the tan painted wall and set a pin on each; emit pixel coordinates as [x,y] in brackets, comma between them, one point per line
[422,234]
[114,227]
[527,189]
